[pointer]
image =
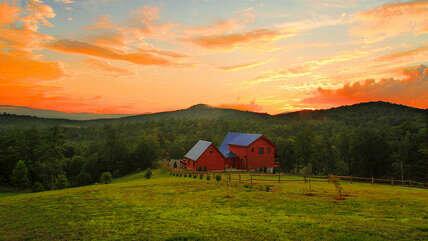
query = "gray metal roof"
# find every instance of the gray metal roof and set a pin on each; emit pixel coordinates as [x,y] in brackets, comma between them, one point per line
[197,150]
[239,139]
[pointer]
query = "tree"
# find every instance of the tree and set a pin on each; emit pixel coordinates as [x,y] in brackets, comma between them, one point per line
[145,153]
[38,187]
[148,174]
[106,178]
[20,175]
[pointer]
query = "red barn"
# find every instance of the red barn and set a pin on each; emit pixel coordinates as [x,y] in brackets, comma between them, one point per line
[204,156]
[248,151]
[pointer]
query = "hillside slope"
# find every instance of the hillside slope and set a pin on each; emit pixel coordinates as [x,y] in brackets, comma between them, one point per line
[200,111]
[51,114]
[178,208]
[379,111]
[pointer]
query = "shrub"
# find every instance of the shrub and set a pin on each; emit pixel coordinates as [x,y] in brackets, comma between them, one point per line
[83,178]
[106,178]
[208,177]
[218,178]
[148,174]
[195,175]
[338,186]
[268,188]
[185,174]
[61,181]
[201,176]
[38,187]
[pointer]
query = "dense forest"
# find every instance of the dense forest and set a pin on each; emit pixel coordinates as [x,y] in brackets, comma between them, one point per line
[370,139]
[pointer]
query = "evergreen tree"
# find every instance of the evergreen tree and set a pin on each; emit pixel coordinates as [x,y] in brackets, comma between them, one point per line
[20,175]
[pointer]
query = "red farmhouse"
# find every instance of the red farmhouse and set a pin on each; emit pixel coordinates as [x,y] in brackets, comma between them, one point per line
[248,151]
[204,156]
[238,151]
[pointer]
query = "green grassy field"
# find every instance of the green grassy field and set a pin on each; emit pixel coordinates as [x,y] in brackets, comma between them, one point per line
[178,208]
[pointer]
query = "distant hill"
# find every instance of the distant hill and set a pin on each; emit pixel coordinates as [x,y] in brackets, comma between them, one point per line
[200,111]
[379,110]
[388,113]
[51,114]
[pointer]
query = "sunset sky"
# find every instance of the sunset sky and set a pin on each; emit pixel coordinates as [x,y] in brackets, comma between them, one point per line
[123,56]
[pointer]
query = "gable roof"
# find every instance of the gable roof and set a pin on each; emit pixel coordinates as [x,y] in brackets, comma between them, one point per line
[196,151]
[239,139]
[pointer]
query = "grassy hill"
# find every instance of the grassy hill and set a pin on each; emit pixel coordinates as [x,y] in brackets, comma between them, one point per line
[178,208]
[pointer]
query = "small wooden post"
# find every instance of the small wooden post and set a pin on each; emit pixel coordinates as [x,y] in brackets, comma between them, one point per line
[251,179]
[279,177]
[351,179]
[392,181]
[372,180]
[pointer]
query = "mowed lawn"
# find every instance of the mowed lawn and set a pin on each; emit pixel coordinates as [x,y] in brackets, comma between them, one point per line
[178,208]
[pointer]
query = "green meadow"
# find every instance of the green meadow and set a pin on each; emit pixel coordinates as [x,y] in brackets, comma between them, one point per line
[178,208]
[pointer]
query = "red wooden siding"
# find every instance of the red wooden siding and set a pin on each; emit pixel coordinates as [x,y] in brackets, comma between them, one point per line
[259,154]
[210,160]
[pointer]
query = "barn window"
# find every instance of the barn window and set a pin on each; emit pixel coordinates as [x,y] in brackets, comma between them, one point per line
[252,149]
[261,150]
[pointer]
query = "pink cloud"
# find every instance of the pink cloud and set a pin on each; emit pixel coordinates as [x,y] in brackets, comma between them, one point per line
[412,90]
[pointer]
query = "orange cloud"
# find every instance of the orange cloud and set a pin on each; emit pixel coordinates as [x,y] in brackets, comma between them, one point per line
[421,51]
[391,20]
[144,23]
[37,13]
[238,39]
[8,13]
[20,66]
[21,34]
[412,90]
[102,22]
[108,39]
[252,106]
[104,66]
[20,77]
[77,47]
[22,39]
[238,21]
[242,66]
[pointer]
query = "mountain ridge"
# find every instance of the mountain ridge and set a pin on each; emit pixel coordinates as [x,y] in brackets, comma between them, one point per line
[204,111]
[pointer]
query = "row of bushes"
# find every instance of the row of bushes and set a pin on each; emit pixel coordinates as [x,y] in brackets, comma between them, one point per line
[194,175]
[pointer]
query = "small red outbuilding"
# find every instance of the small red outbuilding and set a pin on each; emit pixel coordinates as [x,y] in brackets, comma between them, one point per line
[204,156]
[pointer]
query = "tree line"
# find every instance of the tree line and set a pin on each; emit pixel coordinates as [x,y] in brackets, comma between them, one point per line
[43,158]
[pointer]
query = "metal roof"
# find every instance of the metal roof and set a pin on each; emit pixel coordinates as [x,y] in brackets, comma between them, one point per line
[239,139]
[197,150]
